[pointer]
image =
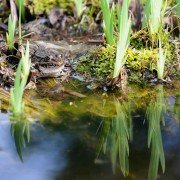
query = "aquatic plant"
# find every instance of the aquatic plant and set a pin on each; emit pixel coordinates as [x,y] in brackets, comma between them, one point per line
[79,7]
[108,21]
[21,15]
[153,15]
[21,8]
[155,112]
[161,61]
[22,73]
[124,28]
[11,32]
[20,126]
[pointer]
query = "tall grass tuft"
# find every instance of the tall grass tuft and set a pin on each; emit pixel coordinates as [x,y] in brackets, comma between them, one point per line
[155,117]
[153,15]
[124,28]
[11,32]
[21,16]
[108,21]
[20,126]
[161,61]
[22,73]
[79,7]
[21,6]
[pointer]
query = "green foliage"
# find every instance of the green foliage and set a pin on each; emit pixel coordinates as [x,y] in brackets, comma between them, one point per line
[178,8]
[161,61]
[100,63]
[20,126]
[21,7]
[141,59]
[79,7]
[108,21]
[153,16]
[11,32]
[22,73]
[124,28]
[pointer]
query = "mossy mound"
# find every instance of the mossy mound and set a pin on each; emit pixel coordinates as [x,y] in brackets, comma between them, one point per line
[66,5]
[141,63]
[47,5]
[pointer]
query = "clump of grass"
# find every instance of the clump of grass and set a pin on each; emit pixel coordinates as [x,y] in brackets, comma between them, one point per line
[21,6]
[21,16]
[108,21]
[11,32]
[161,61]
[20,126]
[22,73]
[124,28]
[178,8]
[153,15]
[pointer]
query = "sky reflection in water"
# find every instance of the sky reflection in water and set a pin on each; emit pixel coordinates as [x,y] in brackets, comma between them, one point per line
[42,159]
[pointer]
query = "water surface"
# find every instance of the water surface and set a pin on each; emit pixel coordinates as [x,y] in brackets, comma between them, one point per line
[98,137]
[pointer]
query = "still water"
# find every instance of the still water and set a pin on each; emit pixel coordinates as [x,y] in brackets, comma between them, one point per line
[98,137]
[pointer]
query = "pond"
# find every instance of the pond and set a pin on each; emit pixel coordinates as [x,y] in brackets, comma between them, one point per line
[96,137]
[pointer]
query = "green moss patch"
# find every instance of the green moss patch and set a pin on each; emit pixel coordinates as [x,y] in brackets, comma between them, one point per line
[141,63]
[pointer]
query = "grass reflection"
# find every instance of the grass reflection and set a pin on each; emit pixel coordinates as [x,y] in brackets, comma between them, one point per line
[21,133]
[176,110]
[155,116]
[115,136]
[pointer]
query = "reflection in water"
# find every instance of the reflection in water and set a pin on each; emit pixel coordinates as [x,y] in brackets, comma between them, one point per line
[155,116]
[177,108]
[21,133]
[44,157]
[19,128]
[63,146]
[116,134]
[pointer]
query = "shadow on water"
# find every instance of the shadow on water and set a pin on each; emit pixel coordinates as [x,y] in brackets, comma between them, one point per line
[132,143]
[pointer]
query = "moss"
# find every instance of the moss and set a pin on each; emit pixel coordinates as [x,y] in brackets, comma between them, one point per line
[66,5]
[141,63]
[47,5]
[98,63]
[140,39]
